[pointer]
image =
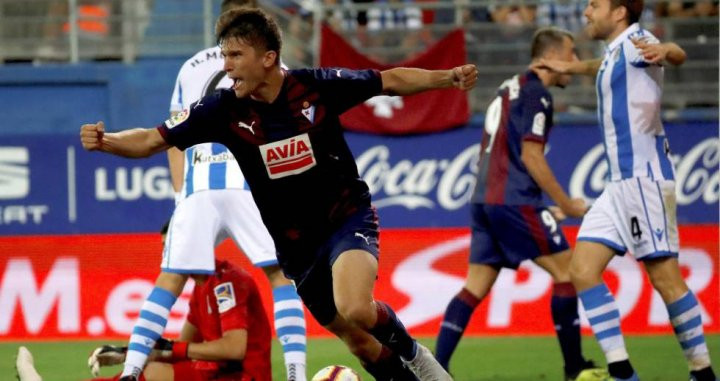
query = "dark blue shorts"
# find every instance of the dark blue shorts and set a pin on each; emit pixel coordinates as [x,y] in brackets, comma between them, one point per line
[505,235]
[359,232]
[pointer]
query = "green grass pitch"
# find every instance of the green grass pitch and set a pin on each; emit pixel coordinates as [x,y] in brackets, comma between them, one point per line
[656,358]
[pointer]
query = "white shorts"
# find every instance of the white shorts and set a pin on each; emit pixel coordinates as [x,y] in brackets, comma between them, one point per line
[636,215]
[205,219]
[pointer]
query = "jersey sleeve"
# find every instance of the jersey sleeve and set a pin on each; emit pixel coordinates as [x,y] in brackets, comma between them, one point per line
[201,122]
[632,54]
[342,89]
[537,113]
[232,302]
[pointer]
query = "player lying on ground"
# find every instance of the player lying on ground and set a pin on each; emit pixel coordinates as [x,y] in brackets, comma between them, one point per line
[636,211]
[509,222]
[283,128]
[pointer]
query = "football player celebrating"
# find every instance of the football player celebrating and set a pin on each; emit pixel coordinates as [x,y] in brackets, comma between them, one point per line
[283,128]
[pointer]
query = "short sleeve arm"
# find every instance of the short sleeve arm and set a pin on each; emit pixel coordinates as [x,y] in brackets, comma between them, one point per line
[632,54]
[537,113]
[342,88]
[201,122]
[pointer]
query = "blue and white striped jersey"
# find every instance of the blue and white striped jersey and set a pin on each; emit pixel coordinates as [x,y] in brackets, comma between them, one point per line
[629,91]
[207,165]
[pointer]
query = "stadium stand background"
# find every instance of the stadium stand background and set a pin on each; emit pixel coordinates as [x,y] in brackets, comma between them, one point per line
[39,39]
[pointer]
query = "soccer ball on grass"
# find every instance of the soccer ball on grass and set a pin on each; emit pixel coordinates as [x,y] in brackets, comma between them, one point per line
[336,373]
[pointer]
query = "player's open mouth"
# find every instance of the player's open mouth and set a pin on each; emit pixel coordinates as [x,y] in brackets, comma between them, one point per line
[236,84]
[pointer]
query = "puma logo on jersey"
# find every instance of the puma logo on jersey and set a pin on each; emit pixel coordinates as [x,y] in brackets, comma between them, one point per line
[288,157]
[545,102]
[247,126]
[367,241]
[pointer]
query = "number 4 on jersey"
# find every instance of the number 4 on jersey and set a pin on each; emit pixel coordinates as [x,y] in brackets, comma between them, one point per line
[635,228]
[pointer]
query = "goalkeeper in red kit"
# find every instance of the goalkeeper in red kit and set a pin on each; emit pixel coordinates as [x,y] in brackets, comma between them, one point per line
[226,336]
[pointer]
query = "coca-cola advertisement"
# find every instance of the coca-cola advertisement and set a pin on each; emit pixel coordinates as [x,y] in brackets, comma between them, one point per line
[427,180]
[49,185]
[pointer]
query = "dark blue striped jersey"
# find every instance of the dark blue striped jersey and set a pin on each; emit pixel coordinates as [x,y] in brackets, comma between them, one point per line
[292,151]
[522,110]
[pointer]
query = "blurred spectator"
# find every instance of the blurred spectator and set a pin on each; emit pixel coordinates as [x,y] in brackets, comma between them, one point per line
[362,17]
[406,18]
[685,9]
[342,18]
[401,27]
[565,14]
[513,14]
[468,14]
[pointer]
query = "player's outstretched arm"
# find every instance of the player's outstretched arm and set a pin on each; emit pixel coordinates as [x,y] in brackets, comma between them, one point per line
[133,143]
[586,67]
[408,81]
[533,156]
[231,346]
[658,53]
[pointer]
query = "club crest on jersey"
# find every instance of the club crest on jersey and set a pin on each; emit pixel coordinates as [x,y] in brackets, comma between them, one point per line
[288,157]
[225,296]
[308,112]
[177,118]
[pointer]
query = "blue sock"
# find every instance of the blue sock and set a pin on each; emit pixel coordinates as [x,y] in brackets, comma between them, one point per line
[604,318]
[687,323]
[149,326]
[563,306]
[290,329]
[457,316]
[388,330]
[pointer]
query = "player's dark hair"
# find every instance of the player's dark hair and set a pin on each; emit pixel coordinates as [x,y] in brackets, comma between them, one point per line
[634,8]
[232,4]
[548,38]
[253,26]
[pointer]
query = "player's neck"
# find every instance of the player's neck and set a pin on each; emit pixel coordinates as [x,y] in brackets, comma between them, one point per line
[619,29]
[270,88]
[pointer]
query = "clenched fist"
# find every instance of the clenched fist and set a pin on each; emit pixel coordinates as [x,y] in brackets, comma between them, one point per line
[465,76]
[91,136]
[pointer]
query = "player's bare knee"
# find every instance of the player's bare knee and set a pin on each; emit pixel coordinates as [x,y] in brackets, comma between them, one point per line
[670,289]
[360,314]
[666,278]
[584,276]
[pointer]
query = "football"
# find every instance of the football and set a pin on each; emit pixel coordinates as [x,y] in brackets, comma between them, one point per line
[336,373]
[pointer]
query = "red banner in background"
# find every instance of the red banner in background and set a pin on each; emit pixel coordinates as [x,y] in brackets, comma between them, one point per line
[427,112]
[93,286]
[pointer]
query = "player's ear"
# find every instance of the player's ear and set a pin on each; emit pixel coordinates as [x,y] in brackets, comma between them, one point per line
[619,14]
[270,58]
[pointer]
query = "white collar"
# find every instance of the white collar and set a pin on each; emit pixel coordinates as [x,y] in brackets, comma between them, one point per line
[619,39]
